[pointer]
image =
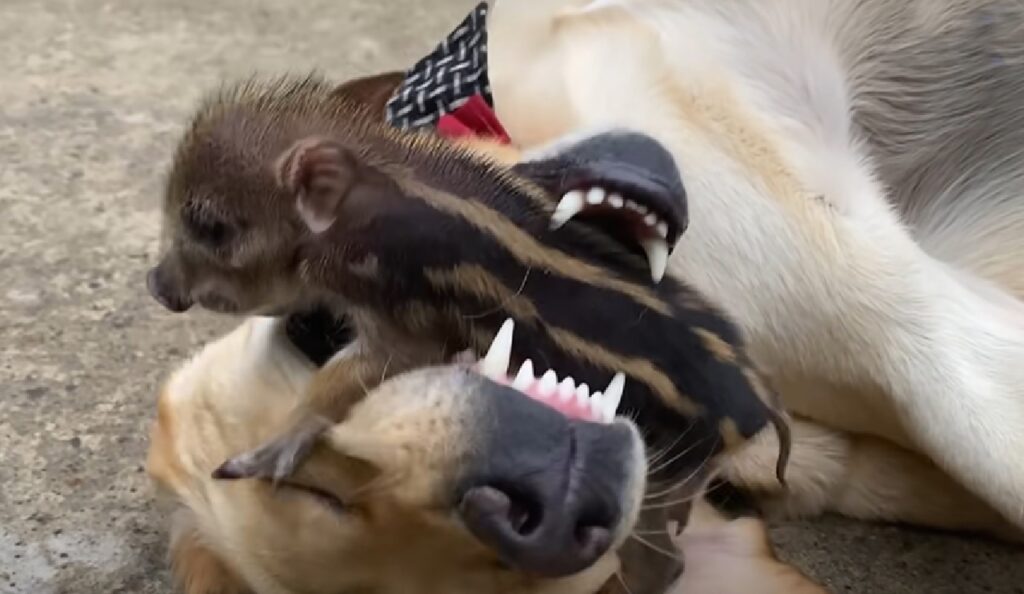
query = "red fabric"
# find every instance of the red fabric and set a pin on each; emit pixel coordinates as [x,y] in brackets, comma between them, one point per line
[474,118]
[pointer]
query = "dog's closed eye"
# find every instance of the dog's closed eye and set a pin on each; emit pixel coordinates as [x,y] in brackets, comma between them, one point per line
[325,498]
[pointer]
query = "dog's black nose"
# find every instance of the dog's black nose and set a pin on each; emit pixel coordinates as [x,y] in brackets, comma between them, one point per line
[539,536]
[548,494]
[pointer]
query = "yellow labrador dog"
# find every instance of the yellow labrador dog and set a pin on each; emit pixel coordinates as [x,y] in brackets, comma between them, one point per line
[372,510]
[855,176]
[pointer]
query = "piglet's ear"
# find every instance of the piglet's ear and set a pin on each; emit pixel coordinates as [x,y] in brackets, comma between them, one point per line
[318,172]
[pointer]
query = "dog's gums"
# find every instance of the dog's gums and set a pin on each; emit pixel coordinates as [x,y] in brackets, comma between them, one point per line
[575,402]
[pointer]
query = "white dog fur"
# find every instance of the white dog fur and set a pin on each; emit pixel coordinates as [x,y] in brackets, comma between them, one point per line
[855,176]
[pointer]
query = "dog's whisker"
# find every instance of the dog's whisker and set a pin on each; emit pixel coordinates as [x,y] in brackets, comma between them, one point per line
[683,500]
[650,545]
[379,483]
[700,467]
[622,581]
[667,449]
[666,463]
[678,484]
[651,532]
[384,370]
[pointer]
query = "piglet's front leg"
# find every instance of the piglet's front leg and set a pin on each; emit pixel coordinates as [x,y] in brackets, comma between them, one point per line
[334,389]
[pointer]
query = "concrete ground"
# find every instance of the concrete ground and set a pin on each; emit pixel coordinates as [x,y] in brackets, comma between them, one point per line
[92,94]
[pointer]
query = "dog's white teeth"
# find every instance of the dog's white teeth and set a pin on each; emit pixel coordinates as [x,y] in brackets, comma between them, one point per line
[632,206]
[613,396]
[548,384]
[569,206]
[524,379]
[651,219]
[495,363]
[657,256]
[595,196]
[583,395]
[662,228]
[566,389]
[597,406]
[616,201]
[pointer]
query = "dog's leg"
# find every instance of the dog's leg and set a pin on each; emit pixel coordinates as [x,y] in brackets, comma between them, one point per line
[860,477]
[839,291]
[955,376]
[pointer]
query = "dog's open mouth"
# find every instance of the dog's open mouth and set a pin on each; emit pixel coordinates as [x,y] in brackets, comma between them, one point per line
[563,395]
[624,184]
[630,216]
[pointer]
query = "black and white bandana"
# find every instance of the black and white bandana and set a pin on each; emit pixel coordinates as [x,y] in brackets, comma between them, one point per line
[447,78]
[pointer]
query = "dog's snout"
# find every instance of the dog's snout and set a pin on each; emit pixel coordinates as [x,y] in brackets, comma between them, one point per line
[550,494]
[164,292]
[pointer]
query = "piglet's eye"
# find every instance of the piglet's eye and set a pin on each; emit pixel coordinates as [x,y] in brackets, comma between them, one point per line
[207,230]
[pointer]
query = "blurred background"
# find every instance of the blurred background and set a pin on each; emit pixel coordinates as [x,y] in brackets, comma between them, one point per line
[93,94]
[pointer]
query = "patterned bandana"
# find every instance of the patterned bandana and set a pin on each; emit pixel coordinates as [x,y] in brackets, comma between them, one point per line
[448,89]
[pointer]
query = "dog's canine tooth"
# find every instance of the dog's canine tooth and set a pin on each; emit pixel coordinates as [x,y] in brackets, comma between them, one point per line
[548,383]
[595,196]
[651,219]
[566,389]
[613,396]
[525,378]
[657,256]
[569,206]
[495,363]
[662,228]
[616,201]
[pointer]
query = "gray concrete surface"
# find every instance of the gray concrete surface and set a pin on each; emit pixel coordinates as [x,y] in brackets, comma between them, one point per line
[92,93]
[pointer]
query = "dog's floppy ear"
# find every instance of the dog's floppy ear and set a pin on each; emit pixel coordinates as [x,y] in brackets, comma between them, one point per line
[372,91]
[197,569]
